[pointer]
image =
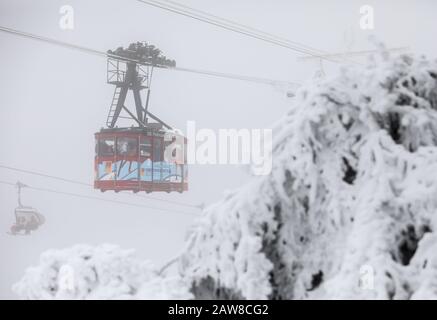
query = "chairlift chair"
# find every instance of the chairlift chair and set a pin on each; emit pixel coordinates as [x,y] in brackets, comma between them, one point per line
[27,218]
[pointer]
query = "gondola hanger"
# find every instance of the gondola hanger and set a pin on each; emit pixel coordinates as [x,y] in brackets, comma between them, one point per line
[136,158]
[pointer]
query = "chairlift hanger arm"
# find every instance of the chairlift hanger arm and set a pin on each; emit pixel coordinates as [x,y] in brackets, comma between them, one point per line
[19,186]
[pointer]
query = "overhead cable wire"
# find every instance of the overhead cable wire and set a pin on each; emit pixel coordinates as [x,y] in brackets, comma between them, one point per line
[104,54]
[45,175]
[99,199]
[189,14]
[238,77]
[245,26]
[358,53]
[91,185]
[234,27]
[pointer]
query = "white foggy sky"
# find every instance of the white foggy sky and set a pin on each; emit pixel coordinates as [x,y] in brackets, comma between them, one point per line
[53,100]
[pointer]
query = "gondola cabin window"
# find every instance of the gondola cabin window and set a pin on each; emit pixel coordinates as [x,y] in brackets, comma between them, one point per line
[127,146]
[157,150]
[146,147]
[106,147]
[157,157]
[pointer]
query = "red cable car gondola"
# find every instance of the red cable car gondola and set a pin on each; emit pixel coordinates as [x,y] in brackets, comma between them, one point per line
[150,156]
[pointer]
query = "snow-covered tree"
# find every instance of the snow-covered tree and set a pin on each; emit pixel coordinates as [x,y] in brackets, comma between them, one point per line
[102,272]
[349,210]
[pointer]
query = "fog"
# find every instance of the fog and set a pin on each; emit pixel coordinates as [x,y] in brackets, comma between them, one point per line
[54,99]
